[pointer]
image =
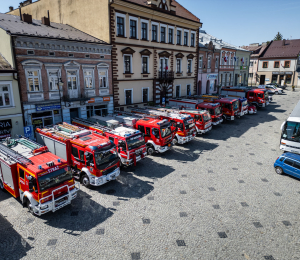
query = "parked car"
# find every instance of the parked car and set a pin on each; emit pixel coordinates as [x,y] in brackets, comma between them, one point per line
[271,89]
[288,163]
[277,85]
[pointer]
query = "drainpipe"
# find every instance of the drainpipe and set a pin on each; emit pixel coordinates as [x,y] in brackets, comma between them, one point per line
[294,72]
[18,78]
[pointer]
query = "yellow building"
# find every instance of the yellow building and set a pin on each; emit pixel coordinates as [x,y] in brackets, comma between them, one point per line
[11,119]
[155,43]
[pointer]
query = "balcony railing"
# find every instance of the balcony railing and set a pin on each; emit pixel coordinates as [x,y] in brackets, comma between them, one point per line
[68,98]
[166,75]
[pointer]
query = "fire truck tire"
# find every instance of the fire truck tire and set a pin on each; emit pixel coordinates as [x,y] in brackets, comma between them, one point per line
[279,170]
[85,181]
[1,185]
[175,140]
[28,206]
[150,150]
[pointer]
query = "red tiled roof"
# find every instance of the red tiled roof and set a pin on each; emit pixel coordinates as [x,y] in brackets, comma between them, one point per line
[291,48]
[180,10]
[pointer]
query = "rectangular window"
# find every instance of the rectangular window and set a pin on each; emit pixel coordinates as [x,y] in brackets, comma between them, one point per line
[200,62]
[171,36]
[144,64]
[274,78]
[185,38]
[120,26]
[250,75]
[287,64]
[128,97]
[145,95]
[276,64]
[154,33]
[177,91]
[251,64]
[127,63]
[178,65]
[21,173]
[72,79]
[133,29]
[162,34]
[188,90]
[178,37]
[53,80]
[217,63]
[5,96]
[265,64]
[192,40]
[75,152]
[144,31]
[209,62]
[103,79]
[33,80]
[81,154]
[189,68]
[288,79]
[88,79]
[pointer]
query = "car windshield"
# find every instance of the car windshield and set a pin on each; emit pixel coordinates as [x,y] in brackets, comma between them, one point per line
[245,103]
[106,157]
[291,132]
[54,178]
[206,117]
[135,142]
[218,111]
[235,105]
[165,131]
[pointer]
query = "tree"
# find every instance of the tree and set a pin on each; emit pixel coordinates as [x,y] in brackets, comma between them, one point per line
[278,37]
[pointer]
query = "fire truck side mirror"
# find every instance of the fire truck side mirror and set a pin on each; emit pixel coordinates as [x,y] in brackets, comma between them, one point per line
[30,184]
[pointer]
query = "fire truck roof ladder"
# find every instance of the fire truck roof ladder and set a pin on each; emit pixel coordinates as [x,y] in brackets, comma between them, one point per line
[96,126]
[15,156]
[29,143]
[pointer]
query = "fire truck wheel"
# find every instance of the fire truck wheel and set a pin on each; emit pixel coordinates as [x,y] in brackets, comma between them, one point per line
[278,170]
[29,207]
[1,185]
[150,150]
[85,180]
[175,140]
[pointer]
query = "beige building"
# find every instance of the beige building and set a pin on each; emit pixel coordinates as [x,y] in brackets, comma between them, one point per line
[155,43]
[11,119]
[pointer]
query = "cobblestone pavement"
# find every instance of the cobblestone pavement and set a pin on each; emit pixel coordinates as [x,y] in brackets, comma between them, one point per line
[217,197]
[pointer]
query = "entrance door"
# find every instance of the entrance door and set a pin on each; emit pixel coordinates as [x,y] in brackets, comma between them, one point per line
[74,113]
[281,80]
[236,80]
[244,81]
[72,84]
[177,91]
[207,87]
[262,79]
[200,87]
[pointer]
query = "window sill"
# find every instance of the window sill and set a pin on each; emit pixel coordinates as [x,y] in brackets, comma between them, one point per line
[7,107]
[128,73]
[145,73]
[145,40]
[154,41]
[133,38]
[190,74]
[121,36]
[179,44]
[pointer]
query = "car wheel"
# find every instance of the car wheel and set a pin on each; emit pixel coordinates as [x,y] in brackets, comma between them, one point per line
[28,204]
[278,170]
[1,185]
[85,181]
[150,150]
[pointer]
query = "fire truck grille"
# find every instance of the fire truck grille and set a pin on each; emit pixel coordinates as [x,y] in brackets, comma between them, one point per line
[139,152]
[109,170]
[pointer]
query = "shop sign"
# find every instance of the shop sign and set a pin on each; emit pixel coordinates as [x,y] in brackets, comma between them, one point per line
[3,135]
[289,73]
[106,98]
[5,124]
[243,67]
[212,76]
[267,79]
[275,72]
[95,100]
[45,107]
[37,121]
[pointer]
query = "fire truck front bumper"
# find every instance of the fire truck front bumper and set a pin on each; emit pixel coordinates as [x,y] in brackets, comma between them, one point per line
[251,112]
[57,203]
[185,139]
[204,131]
[217,122]
[128,162]
[163,149]
[98,181]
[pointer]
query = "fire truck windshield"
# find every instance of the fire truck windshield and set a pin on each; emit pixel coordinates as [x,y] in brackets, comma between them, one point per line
[206,117]
[244,103]
[135,142]
[165,131]
[235,105]
[54,178]
[291,132]
[105,157]
[218,111]
[260,95]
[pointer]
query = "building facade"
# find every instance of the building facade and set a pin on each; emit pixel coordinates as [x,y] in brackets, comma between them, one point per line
[11,119]
[155,44]
[241,69]
[208,71]
[63,72]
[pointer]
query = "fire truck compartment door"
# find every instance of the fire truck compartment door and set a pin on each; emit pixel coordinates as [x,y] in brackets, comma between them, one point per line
[54,146]
[7,176]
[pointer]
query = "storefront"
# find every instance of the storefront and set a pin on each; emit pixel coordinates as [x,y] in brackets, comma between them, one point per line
[100,106]
[5,128]
[282,78]
[211,83]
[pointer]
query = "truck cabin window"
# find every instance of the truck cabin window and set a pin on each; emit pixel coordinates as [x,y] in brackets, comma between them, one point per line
[155,132]
[291,132]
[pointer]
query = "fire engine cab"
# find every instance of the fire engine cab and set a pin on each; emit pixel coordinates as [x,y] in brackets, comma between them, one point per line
[202,120]
[130,142]
[157,133]
[42,180]
[93,157]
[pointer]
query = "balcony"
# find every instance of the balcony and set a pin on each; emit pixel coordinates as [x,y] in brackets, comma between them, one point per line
[68,98]
[165,75]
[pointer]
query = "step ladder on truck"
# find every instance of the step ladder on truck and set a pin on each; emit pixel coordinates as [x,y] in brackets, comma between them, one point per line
[93,157]
[157,133]
[183,125]
[130,142]
[42,180]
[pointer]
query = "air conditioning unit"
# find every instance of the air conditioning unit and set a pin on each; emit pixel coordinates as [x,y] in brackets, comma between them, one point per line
[35,97]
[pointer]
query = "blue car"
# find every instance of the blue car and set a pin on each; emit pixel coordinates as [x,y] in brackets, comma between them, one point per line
[288,163]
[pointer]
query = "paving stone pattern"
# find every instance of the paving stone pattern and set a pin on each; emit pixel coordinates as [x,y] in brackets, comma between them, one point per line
[154,212]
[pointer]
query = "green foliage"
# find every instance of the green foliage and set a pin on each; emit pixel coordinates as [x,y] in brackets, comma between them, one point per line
[278,37]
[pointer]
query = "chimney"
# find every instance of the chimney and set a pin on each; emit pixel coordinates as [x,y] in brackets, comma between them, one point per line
[45,21]
[27,18]
[283,42]
[11,8]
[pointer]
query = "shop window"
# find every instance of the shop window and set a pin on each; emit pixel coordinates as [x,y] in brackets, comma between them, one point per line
[178,37]
[189,68]
[128,97]
[21,173]
[144,31]
[133,29]
[75,152]
[88,79]
[171,36]
[144,64]
[274,78]
[287,64]
[100,110]
[145,95]
[5,96]
[162,34]
[33,80]
[53,80]
[178,65]
[127,64]
[276,64]
[265,64]
[154,33]
[288,79]
[120,26]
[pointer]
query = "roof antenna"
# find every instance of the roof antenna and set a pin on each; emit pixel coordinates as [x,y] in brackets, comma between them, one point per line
[48,14]
[20,14]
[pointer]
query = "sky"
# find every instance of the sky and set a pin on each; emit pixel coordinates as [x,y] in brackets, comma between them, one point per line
[238,22]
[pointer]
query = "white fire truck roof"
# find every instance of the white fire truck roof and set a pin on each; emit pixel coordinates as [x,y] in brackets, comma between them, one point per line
[67,130]
[125,131]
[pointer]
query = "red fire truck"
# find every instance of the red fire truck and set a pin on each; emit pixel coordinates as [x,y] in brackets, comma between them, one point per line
[157,133]
[130,142]
[194,102]
[202,120]
[94,159]
[42,180]
[183,124]
[257,97]
[230,106]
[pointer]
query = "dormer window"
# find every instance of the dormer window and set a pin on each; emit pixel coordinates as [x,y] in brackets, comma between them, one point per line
[163,5]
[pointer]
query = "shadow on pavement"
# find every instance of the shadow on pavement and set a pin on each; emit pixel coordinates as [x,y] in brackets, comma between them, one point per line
[12,245]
